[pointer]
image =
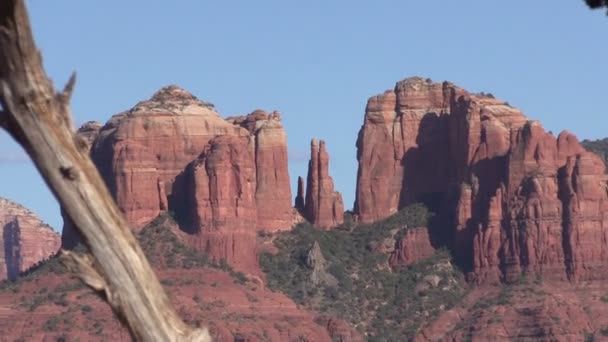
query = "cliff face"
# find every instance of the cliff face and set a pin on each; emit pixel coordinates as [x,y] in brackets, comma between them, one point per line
[520,199]
[141,152]
[273,190]
[26,240]
[323,206]
[223,201]
[223,179]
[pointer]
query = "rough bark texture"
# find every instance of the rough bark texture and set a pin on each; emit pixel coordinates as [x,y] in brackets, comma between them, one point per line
[521,199]
[40,120]
[70,236]
[323,206]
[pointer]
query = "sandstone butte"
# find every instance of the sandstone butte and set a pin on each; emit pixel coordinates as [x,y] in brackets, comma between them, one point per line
[513,197]
[223,179]
[323,207]
[26,240]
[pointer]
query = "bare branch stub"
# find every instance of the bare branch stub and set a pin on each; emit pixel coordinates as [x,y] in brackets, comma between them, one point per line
[40,120]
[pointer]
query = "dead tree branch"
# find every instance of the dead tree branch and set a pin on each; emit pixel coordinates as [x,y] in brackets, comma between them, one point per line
[40,120]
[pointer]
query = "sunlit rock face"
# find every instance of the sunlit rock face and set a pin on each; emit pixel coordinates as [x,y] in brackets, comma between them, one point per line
[514,198]
[26,240]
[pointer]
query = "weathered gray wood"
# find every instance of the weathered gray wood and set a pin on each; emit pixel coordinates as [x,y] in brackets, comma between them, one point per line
[40,120]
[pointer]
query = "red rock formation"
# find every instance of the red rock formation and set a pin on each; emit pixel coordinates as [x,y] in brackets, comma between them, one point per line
[223,201]
[142,152]
[232,311]
[323,207]
[507,184]
[299,202]
[26,240]
[414,246]
[273,190]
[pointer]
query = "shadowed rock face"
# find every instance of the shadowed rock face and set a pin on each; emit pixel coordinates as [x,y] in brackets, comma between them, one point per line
[521,200]
[26,240]
[223,201]
[323,206]
[222,179]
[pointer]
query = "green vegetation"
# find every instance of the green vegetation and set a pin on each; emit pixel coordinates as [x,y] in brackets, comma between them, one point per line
[162,247]
[387,304]
[599,147]
[57,296]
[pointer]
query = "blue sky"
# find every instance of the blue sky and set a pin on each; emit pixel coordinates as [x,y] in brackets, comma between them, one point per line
[317,62]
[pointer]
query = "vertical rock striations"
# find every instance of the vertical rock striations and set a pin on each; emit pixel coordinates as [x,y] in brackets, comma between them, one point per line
[223,201]
[222,179]
[26,240]
[273,189]
[323,206]
[519,199]
[142,153]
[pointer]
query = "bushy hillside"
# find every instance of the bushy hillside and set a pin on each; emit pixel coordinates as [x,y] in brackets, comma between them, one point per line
[338,272]
[600,147]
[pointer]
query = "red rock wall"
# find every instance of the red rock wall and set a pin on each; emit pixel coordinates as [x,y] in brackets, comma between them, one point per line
[323,206]
[26,240]
[414,246]
[223,201]
[223,179]
[142,152]
[273,189]
[507,185]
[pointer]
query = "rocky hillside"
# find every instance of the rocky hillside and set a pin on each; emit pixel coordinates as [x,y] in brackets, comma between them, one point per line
[47,304]
[346,272]
[26,240]
[512,197]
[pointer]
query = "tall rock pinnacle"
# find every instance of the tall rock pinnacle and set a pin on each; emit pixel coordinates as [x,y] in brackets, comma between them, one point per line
[323,206]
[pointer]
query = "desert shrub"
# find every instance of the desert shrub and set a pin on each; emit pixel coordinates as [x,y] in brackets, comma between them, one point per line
[380,300]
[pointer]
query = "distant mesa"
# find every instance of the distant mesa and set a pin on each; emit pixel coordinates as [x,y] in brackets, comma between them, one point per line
[26,240]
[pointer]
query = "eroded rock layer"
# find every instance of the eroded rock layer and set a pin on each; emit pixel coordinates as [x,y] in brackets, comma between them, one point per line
[26,240]
[222,179]
[521,200]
